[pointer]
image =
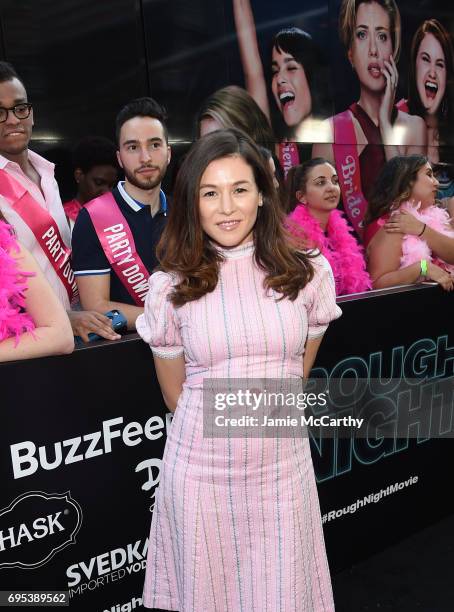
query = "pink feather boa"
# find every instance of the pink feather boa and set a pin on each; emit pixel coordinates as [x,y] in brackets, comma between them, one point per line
[13,320]
[339,247]
[414,248]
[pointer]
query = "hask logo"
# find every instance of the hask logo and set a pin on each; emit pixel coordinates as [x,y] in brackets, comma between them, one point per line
[36,526]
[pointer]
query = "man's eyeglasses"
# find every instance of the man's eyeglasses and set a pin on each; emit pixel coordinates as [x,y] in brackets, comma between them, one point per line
[21,111]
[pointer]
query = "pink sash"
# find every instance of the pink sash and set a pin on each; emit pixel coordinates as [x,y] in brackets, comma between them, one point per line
[347,164]
[44,229]
[118,245]
[288,156]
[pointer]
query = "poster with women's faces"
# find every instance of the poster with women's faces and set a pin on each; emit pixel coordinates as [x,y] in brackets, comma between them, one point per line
[290,57]
[197,48]
[424,71]
[393,73]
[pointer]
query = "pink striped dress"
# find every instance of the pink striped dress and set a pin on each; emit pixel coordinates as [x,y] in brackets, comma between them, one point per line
[236,525]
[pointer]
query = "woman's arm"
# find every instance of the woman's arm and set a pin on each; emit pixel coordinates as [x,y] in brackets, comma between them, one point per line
[408,134]
[450,209]
[53,333]
[405,223]
[171,375]
[310,353]
[249,51]
[384,254]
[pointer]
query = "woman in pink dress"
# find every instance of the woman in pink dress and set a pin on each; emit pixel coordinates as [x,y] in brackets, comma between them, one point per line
[236,525]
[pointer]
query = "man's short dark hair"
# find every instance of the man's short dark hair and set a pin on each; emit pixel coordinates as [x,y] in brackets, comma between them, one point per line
[94,151]
[141,107]
[8,73]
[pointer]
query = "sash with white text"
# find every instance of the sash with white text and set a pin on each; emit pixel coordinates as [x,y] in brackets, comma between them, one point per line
[44,228]
[118,245]
[348,169]
[288,156]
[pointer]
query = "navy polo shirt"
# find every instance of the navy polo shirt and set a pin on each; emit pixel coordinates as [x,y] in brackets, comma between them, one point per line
[88,256]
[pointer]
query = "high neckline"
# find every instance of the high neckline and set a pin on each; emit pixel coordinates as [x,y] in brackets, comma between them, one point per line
[242,250]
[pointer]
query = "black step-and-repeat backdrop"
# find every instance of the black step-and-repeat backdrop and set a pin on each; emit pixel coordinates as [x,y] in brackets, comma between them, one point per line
[82,438]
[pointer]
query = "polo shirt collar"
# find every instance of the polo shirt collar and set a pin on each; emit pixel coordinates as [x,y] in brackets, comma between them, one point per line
[136,206]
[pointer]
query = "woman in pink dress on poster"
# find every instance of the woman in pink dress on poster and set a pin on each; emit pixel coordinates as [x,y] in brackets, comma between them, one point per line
[237,525]
[371,130]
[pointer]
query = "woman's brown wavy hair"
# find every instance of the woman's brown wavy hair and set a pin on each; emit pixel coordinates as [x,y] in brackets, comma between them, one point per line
[185,249]
[393,185]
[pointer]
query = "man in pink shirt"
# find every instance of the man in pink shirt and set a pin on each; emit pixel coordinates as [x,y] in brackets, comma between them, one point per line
[30,202]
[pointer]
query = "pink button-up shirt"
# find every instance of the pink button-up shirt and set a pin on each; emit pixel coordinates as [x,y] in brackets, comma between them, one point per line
[49,198]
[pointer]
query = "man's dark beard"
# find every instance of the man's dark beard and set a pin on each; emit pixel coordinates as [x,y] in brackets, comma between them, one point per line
[145,183]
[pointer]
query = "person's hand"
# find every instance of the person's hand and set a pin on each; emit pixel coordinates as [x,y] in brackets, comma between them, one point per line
[403,222]
[440,276]
[85,322]
[391,75]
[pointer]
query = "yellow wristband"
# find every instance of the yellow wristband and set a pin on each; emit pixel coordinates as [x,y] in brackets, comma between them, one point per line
[423,267]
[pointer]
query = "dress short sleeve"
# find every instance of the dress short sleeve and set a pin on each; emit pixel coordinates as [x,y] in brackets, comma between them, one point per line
[158,325]
[321,307]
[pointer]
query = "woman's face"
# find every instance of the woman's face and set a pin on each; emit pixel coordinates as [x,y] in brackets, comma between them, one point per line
[424,188]
[290,88]
[371,45]
[322,192]
[228,201]
[430,73]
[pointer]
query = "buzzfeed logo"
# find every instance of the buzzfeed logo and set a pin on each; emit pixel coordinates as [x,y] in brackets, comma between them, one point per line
[107,568]
[27,459]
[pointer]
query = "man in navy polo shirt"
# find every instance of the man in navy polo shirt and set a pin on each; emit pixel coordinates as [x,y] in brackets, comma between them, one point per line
[115,236]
